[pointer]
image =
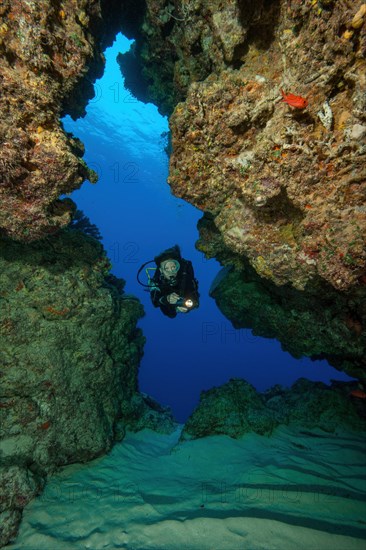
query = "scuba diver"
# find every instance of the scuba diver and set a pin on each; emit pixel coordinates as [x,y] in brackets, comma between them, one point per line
[173,286]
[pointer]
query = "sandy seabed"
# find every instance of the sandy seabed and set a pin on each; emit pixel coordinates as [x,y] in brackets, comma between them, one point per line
[294,490]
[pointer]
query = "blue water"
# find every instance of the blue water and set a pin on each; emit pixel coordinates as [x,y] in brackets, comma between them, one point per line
[138,217]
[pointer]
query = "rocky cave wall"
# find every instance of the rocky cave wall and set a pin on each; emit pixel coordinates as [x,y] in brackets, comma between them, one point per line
[50,56]
[69,352]
[286,186]
[69,359]
[69,346]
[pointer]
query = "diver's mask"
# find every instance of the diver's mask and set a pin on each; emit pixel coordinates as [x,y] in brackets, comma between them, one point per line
[169,268]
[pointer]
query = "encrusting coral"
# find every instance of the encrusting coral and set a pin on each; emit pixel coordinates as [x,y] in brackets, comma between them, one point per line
[50,54]
[286,186]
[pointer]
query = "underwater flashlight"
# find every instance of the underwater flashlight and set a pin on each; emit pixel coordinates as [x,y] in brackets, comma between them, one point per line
[185,303]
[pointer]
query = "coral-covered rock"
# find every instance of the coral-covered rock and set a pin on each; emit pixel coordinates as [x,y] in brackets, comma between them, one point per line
[318,322]
[9,523]
[232,409]
[285,193]
[315,405]
[286,185]
[18,486]
[180,43]
[50,54]
[69,351]
[235,409]
[144,412]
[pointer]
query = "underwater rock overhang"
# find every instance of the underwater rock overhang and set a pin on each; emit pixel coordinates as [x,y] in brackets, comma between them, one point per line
[69,358]
[318,322]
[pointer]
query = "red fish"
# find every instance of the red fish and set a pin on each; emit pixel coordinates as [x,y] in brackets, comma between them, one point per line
[296,101]
[358,393]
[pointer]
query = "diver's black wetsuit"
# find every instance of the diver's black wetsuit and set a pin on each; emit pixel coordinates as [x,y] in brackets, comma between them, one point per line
[184,284]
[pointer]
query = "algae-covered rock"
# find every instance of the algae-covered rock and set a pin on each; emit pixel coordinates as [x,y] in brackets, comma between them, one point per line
[318,322]
[69,355]
[9,523]
[232,409]
[236,408]
[144,412]
[18,485]
[315,405]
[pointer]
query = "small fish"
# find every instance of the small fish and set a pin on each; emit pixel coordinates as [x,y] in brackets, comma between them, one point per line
[296,101]
[358,393]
